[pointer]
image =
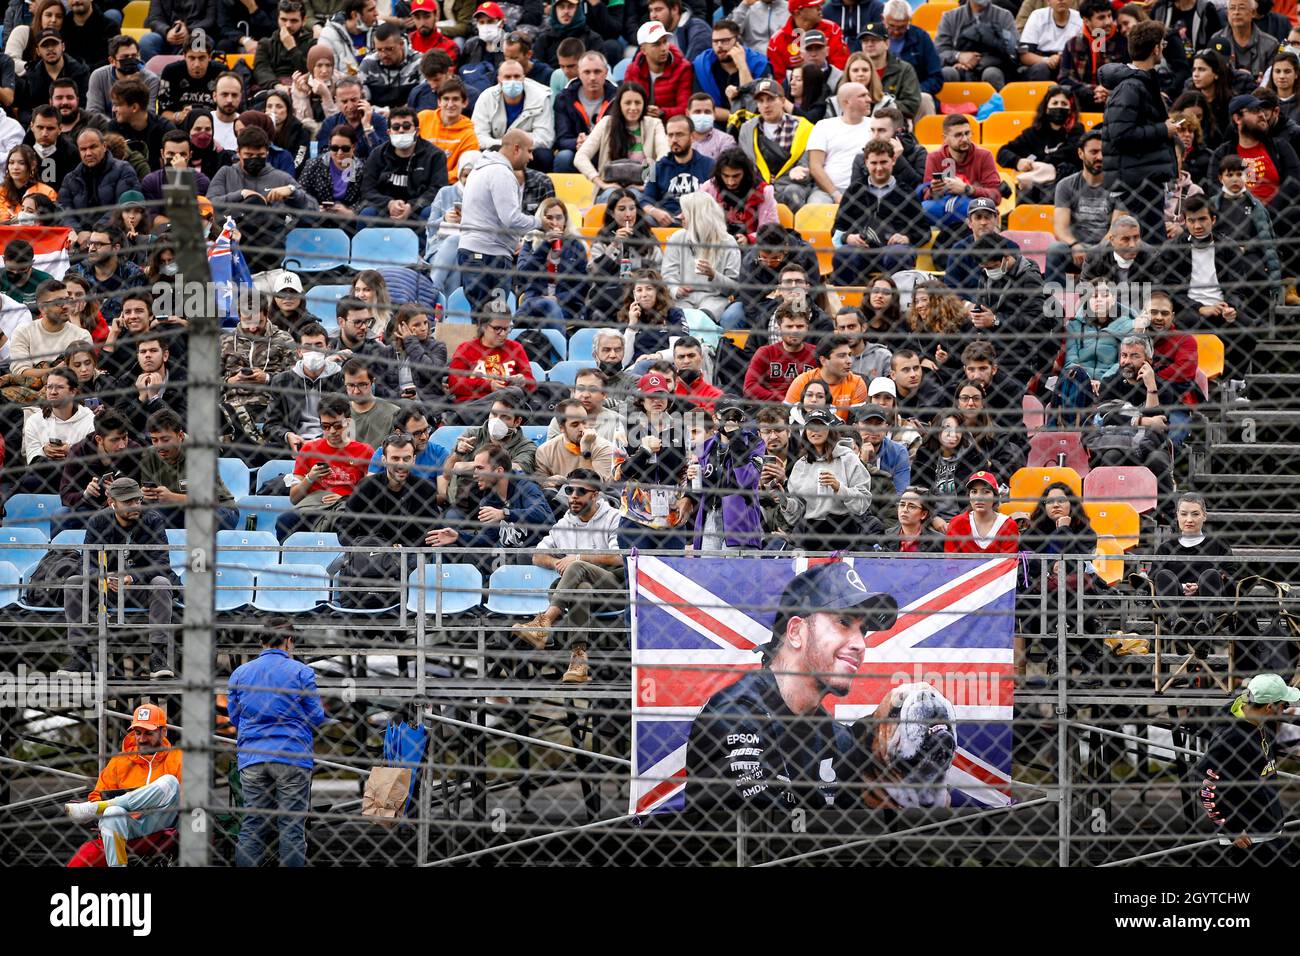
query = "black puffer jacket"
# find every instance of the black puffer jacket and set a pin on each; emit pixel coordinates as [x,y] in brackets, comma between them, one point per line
[1136,146]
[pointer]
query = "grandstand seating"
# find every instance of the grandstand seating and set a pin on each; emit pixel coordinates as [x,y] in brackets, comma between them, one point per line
[927,15]
[449,589]
[32,511]
[1024,95]
[519,589]
[316,250]
[953,94]
[1134,484]
[20,547]
[1058,449]
[567,372]
[1027,484]
[305,588]
[377,246]
[10,579]
[1209,355]
[234,473]
[1028,217]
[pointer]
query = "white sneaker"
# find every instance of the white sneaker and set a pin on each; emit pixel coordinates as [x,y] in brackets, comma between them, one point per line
[81,812]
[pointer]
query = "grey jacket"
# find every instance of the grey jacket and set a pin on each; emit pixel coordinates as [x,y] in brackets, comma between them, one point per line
[101,81]
[492,216]
[953,22]
[536,117]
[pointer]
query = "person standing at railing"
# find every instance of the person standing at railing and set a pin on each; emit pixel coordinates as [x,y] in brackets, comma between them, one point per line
[1239,775]
[273,705]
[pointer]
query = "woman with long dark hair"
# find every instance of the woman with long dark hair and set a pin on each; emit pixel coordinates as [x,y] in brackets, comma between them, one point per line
[882,315]
[1196,158]
[1048,150]
[807,90]
[83,307]
[1212,78]
[936,320]
[747,202]
[649,316]
[624,247]
[333,178]
[205,152]
[914,534]
[290,134]
[1284,80]
[948,455]
[625,136]
[21,178]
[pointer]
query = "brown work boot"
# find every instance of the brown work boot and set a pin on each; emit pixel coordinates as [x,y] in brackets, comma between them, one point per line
[577,672]
[533,632]
[1292,296]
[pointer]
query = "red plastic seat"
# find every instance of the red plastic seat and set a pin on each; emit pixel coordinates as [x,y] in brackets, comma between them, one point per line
[1033,244]
[1047,448]
[1134,484]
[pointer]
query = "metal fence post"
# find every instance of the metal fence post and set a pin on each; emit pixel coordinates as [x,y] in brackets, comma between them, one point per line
[197,702]
[1062,729]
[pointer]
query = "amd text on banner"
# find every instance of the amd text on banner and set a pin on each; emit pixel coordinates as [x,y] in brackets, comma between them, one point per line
[935,684]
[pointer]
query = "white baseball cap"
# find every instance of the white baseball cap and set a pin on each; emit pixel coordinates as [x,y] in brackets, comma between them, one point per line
[881,385]
[651,32]
[288,281]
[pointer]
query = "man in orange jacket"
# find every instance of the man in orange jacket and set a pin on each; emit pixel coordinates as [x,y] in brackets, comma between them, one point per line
[149,770]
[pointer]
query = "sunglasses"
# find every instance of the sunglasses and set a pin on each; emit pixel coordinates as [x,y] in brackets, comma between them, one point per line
[401,128]
[574,491]
[340,149]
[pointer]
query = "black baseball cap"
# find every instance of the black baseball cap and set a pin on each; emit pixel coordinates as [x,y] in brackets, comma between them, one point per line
[981,204]
[1246,101]
[767,87]
[822,415]
[48,34]
[874,30]
[867,412]
[834,587]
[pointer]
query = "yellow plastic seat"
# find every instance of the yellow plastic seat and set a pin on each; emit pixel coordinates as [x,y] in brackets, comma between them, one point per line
[1109,562]
[136,33]
[1025,94]
[134,15]
[573,188]
[928,15]
[1027,486]
[976,92]
[784,216]
[1209,355]
[1004,127]
[1089,120]
[1031,217]
[1115,522]
[592,220]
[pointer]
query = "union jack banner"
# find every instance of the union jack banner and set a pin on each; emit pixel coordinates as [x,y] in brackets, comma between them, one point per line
[698,622]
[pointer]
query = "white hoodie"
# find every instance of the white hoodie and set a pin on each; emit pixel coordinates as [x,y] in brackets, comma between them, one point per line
[38,430]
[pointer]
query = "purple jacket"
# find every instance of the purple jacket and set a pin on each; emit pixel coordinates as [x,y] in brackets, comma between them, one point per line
[734,470]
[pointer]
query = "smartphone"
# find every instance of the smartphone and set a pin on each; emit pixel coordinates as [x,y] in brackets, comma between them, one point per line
[149,484]
[246,371]
[57,442]
[771,460]
[107,479]
[456,206]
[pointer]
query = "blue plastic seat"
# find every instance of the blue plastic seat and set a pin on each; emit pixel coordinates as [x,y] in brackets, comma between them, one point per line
[234,473]
[536,434]
[377,246]
[458,310]
[228,541]
[701,325]
[461,586]
[445,436]
[25,559]
[32,511]
[322,299]
[316,250]
[234,588]
[177,556]
[264,509]
[311,539]
[277,468]
[619,70]
[73,536]
[9,581]
[539,373]
[310,588]
[567,372]
[556,338]
[519,589]
[581,345]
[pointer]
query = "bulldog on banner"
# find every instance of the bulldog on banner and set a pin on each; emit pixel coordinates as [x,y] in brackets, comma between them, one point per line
[868,682]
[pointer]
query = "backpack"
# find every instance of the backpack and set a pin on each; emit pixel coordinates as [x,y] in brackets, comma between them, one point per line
[538,347]
[358,569]
[477,77]
[46,585]
[1073,401]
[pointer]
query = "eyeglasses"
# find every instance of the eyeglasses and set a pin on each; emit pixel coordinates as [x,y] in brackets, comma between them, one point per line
[420,432]
[501,329]
[347,148]
[333,426]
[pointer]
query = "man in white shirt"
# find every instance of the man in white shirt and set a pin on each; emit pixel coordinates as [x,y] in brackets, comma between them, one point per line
[835,143]
[38,344]
[229,96]
[597,577]
[1044,37]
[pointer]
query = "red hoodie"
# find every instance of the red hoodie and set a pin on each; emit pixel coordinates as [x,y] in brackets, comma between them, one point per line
[783,49]
[699,393]
[672,91]
[472,361]
[772,369]
[961,538]
[980,170]
[436,40]
[1176,360]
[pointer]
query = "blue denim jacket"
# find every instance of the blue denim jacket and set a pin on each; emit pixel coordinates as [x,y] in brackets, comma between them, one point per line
[274,705]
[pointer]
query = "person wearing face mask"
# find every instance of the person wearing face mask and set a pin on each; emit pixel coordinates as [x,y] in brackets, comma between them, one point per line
[55,154]
[1238,774]
[503,426]
[487,44]
[725,475]
[293,415]
[1009,307]
[206,154]
[706,139]
[517,103]
[403,176]
[20,281]
[252,353]
[1048,151]
[123,61]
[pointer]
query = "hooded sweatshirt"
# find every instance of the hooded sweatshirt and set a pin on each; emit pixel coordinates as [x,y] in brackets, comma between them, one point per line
[38,429]
[1238,777]
[491,210]
[296,399]
[131,769]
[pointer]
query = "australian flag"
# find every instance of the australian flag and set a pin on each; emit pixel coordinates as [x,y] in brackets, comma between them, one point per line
[698,623]
[229,273]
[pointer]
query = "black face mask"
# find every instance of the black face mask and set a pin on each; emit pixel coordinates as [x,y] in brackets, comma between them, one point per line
[255,165]
[128,66]
[688,375]
[1057,114]
[16,278]
[610,368]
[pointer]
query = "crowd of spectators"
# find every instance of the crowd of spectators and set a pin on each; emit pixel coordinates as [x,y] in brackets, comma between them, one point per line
[740,393]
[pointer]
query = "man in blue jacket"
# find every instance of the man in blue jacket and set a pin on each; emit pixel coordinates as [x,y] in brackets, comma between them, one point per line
[913,45]
[580,106]
[274,704]
[727,71]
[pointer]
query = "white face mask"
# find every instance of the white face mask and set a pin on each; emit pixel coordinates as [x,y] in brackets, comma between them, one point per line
[313,362]
[497,429]
[489,32]
[402,140]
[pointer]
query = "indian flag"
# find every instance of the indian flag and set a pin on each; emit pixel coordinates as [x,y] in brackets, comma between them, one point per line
[50,244]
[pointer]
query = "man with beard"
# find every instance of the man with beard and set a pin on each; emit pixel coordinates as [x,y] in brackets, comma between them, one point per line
[105,268]
[590,389]
[1081,214]
[413,419]
[956,173]
[283,53]
[37,345]
[65,96]
[593,580]
[1135,397]
[86,31]
[1176,353]
[190,83]
[426,35]
[96,183]
[765,741]
[228,96]
[371,129]
[1010,305]
[1239,775]
[397,503]
[392,71]
[162,474]
[52,64]
[1272,169]
[57,155]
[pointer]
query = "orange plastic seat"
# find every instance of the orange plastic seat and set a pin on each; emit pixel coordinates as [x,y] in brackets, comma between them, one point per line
[1027,486]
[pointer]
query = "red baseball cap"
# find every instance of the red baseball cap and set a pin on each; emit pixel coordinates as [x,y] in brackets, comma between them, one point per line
[652,382]
[425,6]
[985,476]
[797,5]
[490,10]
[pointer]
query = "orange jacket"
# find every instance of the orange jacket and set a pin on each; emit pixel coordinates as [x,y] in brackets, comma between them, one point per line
[131,770]
[454,140]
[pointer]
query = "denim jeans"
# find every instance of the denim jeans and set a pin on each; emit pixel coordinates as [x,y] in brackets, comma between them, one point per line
[274,786]
[154,44]
[156,803]
[564,161]
[443,275]
[734,317]
[483,277]
[853,265]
